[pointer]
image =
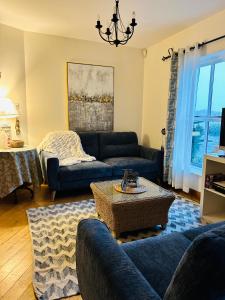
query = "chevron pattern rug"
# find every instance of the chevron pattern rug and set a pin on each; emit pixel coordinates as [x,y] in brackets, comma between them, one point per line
[53,232]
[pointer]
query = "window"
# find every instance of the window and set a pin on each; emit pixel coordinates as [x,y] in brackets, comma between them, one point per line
[210,99]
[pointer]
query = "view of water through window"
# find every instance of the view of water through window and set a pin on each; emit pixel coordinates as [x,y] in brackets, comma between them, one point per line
[207,115]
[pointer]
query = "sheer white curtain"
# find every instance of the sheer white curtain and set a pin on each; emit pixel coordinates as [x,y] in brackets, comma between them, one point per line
[187,87]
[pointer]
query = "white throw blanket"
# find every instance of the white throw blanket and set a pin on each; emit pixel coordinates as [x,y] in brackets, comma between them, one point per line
[66,146]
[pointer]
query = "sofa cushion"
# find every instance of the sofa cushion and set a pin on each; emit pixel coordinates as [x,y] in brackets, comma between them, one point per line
[138,164]
[89,141]
[85,170]
[117,144]
[201,272]
[191,234]
[157,258]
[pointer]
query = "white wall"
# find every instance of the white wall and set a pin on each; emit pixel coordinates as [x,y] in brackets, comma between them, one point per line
[43,93]
[46,84]
[12,68]
[157,74]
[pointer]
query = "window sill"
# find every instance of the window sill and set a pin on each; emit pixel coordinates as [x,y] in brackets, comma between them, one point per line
[196,170]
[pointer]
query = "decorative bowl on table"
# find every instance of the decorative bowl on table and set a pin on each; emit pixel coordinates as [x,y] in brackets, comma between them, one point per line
[16,144]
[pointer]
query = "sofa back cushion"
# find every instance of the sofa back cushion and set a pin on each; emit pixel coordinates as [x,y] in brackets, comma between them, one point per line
[90,143]
[118,144]
[201,272]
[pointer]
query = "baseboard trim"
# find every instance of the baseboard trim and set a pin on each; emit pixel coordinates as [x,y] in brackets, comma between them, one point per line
[195,194]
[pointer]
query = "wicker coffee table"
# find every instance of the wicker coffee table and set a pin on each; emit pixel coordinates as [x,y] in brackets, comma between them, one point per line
[127,212]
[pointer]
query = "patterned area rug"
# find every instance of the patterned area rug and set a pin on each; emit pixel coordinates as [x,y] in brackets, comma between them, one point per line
[53,232]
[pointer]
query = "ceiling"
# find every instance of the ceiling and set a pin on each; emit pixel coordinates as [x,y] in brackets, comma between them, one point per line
[157,19]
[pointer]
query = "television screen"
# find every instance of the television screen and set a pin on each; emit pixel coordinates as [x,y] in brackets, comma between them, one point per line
[222,130]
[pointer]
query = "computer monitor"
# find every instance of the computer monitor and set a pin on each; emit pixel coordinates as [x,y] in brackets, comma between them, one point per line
[222,131]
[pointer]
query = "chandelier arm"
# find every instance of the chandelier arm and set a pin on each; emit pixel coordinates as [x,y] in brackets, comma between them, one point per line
[124,42]
[123,31]
[132,32]
[128,37]
[121,22]
[111,36]
[111,25]
[113,29]
[110,41]
[124,34]
[101,35]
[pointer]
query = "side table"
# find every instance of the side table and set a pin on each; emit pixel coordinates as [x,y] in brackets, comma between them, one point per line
[19,167]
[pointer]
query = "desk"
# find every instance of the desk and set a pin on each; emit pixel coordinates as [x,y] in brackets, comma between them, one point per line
[19,167]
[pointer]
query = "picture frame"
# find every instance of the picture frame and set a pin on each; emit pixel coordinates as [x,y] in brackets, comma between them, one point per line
[90,97]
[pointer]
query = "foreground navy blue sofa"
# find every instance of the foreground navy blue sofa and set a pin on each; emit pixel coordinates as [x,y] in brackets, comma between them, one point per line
[177,266]
[114,152]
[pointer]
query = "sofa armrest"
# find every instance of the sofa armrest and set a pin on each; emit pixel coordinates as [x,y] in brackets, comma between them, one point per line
[50,168]
[154,155]
[151,153]
[104,270]
[191,234]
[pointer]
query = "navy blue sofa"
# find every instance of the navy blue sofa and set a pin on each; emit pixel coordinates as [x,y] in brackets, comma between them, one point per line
[114,152]
[177,266]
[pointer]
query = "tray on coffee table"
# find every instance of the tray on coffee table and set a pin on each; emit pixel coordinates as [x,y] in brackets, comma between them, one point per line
[130,190]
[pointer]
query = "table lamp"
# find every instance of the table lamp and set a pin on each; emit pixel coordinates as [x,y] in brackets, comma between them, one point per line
[8,111]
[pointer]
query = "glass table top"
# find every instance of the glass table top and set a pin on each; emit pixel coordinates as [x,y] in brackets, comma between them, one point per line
[154,191]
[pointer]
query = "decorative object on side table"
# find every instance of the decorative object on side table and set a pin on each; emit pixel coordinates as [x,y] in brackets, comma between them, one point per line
[8,110]
[16,144]
[19,168]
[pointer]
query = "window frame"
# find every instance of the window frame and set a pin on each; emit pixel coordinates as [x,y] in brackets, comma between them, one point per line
[207,60]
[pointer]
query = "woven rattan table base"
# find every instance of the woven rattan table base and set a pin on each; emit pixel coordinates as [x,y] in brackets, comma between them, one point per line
[125,212]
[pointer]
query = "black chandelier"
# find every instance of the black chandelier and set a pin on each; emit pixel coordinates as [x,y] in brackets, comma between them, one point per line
[116,33]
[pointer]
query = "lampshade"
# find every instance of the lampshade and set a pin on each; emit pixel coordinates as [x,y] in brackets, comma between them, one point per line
[7,109]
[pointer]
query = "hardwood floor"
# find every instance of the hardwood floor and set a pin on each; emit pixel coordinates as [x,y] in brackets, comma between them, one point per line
[15,243]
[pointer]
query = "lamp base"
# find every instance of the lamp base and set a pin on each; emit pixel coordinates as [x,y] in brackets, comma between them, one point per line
[3,138]
[7,129]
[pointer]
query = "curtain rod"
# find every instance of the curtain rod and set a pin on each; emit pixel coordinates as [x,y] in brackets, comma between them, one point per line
[171,51]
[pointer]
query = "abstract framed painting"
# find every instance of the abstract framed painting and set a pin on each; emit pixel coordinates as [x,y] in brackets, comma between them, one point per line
[90,97]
